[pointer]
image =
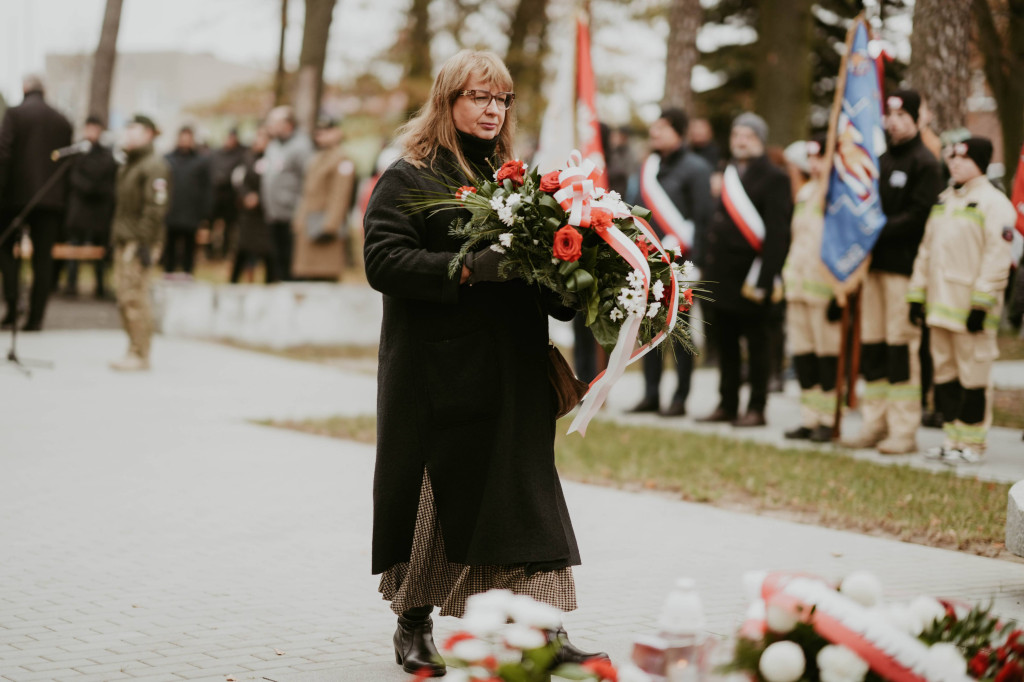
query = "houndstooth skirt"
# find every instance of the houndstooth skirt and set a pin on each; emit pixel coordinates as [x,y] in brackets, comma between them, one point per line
[429,578]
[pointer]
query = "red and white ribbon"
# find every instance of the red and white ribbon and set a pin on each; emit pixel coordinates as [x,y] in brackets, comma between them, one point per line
[667,215]
[578,195]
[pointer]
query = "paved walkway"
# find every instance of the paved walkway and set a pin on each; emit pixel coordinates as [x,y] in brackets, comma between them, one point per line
[150,531]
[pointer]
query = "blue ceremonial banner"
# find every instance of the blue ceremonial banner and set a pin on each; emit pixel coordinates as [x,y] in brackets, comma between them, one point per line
[853,210]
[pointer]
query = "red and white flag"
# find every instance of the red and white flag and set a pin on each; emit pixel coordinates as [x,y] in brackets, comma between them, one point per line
[570,121]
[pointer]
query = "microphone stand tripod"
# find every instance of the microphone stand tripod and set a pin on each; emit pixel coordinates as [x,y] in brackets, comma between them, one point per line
[18,225]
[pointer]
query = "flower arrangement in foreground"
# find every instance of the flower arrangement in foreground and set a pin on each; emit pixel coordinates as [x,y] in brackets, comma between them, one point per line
[504,639]
[562,232]
[802,628]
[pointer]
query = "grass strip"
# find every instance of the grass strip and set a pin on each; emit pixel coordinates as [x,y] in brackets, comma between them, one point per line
[825,488]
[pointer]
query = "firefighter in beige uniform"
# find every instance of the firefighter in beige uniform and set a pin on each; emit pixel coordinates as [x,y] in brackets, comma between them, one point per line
[812,328]
[957,288]
[143,188]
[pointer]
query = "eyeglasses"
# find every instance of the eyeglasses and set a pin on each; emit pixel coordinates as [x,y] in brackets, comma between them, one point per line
[958,149]
[482,98]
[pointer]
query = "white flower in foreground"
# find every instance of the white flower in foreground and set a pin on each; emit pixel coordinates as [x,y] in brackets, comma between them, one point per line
[636,279]
[484,622]
[780,619]
[498,248]
[528,611]
[524,637]
[836,663]
[458,675]
[497,203]
[653,310]
[471,650]
[945,662]
[688,272]
[506,215]
[658,289]
[615,314]
[497,601]
[782,662]
[613,196]
[900,616]
[927,610]
[863,587]
[505,239]
[513,200]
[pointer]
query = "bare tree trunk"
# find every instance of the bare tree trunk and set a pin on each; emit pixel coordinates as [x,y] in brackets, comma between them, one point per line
[782,89]
[1003,53]
[279,74]
[310,83]
[940,54]
[527,32]
[684,21]
[418,64]
[103,62]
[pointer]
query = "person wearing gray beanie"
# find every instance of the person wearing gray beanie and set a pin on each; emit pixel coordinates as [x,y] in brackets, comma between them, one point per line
[746,248]
[755,123]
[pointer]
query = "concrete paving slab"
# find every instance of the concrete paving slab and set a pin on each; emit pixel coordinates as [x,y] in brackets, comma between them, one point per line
[151,531]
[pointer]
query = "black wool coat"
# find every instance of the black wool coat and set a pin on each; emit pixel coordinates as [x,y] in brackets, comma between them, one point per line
[28,135]
[93,181]
[192,193]
[462,390]
[729,255]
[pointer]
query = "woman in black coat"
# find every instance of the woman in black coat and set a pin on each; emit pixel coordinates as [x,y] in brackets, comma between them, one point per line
[466,496]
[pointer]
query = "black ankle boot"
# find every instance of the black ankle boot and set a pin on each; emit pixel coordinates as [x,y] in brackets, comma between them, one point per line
[567,652]
[414,645]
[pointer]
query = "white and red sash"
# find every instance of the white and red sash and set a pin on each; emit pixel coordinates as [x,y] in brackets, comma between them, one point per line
[665,212]
[750,224]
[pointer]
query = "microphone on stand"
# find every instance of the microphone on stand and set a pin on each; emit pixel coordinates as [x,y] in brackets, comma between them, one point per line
[82,147]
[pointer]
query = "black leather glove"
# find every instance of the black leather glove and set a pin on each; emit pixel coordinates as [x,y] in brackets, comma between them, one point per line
[916,314]
[834,312]
[484,266]
[976,320]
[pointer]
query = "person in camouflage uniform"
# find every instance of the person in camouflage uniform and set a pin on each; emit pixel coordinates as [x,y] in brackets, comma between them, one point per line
[143,190]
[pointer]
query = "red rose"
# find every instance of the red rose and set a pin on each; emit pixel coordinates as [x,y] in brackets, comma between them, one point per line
[644,246]
[455,639]
[600,220]
[463,191]
[549,182]
[603,668]
[1011,672]
[511,170]
[979,664]
[568,243]
[688,298]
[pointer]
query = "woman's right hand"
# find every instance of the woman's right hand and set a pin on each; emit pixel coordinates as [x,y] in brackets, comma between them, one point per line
[466,273]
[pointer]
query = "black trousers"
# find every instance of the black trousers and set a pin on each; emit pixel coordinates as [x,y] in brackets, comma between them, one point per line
[44,225]
[733,326]
[654,366]
[281,230]
[180,250]
[584,350]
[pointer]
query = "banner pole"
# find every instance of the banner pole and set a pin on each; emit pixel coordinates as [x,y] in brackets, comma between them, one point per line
[855,301]
[841,372]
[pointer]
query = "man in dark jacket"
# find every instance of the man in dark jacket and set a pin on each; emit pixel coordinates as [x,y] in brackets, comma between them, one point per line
[909,184]
[190,202]
[93,177]
[675,185]
[224,216]
[746,248]
[28,135]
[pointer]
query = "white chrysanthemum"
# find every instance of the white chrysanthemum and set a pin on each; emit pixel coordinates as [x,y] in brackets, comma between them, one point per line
[498,248]
[513,200]
[497,601]
[901,617]
[652,311]
[506,215]
[944,661]
[636,279]
[863,587]
[613,196]
[523,637]
[525,610]
[615,314]
[483,622]
[780,619]
[630,301]
[471,650]
[927,610]
[836,663]
[505,239]
[497,203]
[458,675]
[658,289]
[782,662]
[688,272]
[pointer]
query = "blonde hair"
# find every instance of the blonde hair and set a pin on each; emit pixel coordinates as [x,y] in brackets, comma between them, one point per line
[433,126]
